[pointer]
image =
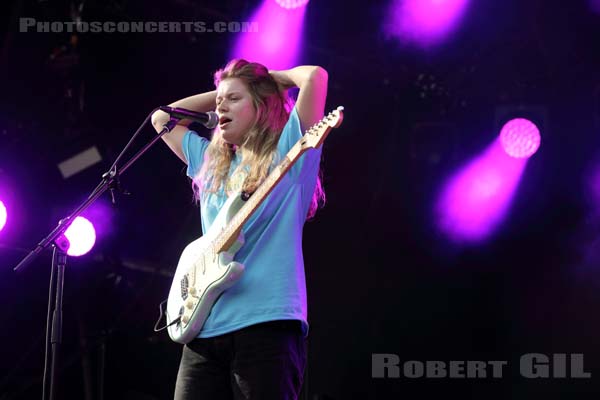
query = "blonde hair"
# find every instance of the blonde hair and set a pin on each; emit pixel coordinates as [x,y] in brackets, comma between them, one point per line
[259,145]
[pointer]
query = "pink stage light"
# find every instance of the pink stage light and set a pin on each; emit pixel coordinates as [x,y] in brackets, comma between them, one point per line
[3,215]
[291,4]
[520,138]
[475,201]
[424,22]
[81,235]
[277,42]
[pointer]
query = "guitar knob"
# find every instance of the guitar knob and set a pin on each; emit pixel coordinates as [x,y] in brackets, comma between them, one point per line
[189,304]
[192,291]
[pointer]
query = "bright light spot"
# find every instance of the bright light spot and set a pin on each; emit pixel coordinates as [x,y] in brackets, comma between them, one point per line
[520,138]
[477,198]
[3,215]
[424,22]
[81,235]
[291,4]
[277,42]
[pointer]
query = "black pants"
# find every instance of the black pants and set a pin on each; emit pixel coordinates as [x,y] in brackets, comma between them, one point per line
[263,361]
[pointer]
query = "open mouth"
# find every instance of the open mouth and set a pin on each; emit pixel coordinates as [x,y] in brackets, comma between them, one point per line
[223,121]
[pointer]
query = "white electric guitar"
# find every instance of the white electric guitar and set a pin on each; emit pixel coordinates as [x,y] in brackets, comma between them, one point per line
[206,267]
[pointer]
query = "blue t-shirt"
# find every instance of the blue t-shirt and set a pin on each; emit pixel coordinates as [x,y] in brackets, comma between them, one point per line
[273,285]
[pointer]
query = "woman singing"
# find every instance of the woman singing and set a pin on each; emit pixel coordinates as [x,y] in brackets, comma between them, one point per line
[252,345]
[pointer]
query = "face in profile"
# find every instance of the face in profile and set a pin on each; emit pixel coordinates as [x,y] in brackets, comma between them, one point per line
[235,109]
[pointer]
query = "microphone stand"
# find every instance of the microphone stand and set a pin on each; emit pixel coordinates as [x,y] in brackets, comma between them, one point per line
[57,239]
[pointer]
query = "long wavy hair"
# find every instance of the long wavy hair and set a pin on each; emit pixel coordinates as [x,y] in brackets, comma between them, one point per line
[259,146]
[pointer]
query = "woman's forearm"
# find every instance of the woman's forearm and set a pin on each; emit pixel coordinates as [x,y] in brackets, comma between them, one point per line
[312,81]
[299,76]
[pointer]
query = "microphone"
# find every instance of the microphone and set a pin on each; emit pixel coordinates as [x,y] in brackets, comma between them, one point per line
[209,119]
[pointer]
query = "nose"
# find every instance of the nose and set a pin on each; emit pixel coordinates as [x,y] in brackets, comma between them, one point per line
[222,107]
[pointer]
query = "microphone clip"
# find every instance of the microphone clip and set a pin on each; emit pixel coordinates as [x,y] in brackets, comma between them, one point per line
[114,184]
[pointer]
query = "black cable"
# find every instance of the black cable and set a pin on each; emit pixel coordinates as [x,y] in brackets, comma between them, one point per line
[112,171]
[160,309]
[128,145]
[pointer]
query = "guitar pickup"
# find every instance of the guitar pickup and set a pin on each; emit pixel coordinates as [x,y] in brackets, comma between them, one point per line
[184,287]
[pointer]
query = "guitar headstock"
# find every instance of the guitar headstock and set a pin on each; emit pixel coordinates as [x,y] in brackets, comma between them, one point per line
[317,133]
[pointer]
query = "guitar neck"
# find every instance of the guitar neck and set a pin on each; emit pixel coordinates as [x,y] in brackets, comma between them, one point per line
[312,138]
[229,235]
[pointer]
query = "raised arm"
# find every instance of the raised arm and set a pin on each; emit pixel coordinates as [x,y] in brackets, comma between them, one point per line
[202,102]
[312,82]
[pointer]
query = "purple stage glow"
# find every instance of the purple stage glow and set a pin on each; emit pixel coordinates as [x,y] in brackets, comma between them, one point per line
[520,138]
[81,235]
[276,44]
[291,4]
[476,199]
[424,22]
[595,5]
[592,187]
[3,215]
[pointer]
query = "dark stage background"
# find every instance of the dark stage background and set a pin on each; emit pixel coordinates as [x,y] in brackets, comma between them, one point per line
[381,278]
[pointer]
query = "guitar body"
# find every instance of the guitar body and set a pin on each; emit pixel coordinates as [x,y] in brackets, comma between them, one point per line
[201,276]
